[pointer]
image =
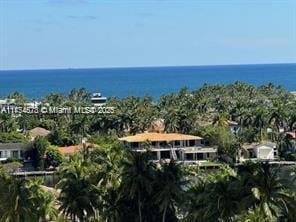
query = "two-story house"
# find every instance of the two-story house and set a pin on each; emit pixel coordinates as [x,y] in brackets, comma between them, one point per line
[180,147]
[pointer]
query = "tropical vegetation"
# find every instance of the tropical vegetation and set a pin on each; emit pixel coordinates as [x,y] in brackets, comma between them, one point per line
[112,184]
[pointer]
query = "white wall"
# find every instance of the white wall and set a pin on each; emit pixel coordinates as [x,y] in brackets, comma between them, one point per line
[264,152]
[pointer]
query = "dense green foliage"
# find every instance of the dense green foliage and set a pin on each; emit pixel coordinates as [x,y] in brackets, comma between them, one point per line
[53,158]
[37,152]
[196,112]
[112,184]
[11,137]
[25,200]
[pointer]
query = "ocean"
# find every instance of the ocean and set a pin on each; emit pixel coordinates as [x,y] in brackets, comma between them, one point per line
[153,81]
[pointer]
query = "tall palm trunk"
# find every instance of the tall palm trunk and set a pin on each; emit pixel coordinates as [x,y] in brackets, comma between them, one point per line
[164,212]
[139,207]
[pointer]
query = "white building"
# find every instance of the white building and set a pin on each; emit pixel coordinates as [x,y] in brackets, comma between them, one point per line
[10,150]
[7,102]
[263,151]
[165,146]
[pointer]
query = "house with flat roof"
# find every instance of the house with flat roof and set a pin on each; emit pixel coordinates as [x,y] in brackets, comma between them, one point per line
[260,151]
[165,146]
[12,150]
[4,103]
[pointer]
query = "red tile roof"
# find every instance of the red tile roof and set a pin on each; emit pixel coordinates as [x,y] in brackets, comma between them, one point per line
[70,149]
[142,137]
[75,148]
[292,134]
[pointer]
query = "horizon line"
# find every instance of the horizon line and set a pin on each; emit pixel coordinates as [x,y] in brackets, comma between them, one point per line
[139,67]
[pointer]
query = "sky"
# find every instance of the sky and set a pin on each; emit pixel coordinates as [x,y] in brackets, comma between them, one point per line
[50,34]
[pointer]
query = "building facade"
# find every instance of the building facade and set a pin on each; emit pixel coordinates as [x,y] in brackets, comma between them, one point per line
[12,150]
[165,146]
[262,151]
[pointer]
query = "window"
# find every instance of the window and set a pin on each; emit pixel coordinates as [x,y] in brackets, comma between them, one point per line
[15,153]
[199,156]
[1,154]
[153,155]
[135,145]
[189,156]
[191,142]
[165,155]
[177,143]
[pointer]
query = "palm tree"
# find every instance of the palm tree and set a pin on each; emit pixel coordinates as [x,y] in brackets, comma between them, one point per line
[137,178]
[78,197]
[55,99]
[80,126]
[24,200]
[268,191]
[278,116]
[251,216]
[213,197]
[222,199]
[45,202]
[171,120]
[7,123]
[194,207]
[170,185]
[292,120]
[14,202]
[221,120]
[260,121]
[79,96]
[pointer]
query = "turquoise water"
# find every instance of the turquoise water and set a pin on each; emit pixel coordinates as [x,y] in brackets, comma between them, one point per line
[153,81]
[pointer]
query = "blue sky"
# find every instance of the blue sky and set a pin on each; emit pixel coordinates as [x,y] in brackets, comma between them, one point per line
[79,33]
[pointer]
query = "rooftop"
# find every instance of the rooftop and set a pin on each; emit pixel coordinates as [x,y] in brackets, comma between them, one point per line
[248,146]
[142,137]
[39,131]
[292,134]
[293,93]
[70,149]
[7,101]
[65,150]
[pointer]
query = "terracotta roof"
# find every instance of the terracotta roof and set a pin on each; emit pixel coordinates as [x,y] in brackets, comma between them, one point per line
[292,134]
[248,146]
[142,137]
[39,131]
[75,148]
[69,149]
